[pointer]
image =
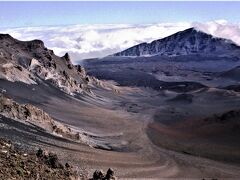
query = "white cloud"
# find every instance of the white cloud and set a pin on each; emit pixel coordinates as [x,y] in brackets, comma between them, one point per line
[89,41]
[221,28]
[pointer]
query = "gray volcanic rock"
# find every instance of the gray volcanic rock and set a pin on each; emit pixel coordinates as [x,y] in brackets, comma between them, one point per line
[31,62]
[189,41]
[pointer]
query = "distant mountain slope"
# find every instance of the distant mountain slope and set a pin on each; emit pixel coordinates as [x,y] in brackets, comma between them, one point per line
[232,73]
[189,41]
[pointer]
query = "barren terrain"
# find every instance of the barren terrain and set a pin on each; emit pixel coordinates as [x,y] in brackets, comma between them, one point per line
[144,117]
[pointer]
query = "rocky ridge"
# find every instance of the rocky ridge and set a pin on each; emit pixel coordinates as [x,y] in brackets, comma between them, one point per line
[31,62]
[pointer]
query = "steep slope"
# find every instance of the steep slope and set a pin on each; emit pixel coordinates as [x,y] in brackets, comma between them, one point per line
[189,41]
[31,62]
[29,114]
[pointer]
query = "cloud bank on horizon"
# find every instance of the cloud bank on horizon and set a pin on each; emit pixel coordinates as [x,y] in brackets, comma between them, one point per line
[91,41]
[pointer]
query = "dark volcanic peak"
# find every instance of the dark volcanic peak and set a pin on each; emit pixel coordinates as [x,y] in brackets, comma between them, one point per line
[189,41]
[5,36]
[8,40]
[36,43]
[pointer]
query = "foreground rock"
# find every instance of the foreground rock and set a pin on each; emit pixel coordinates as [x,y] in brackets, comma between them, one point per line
[15,164]
[98,175]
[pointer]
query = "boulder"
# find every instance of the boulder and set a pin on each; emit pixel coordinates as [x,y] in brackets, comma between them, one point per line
[98,175]
[110,174]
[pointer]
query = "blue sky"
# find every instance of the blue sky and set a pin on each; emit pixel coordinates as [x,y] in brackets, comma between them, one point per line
[19,14]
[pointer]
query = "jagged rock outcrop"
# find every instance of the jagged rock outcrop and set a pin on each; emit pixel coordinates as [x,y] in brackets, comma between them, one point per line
[31,62]
[67,57]
[80,69]
[30,114]
[187,42]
